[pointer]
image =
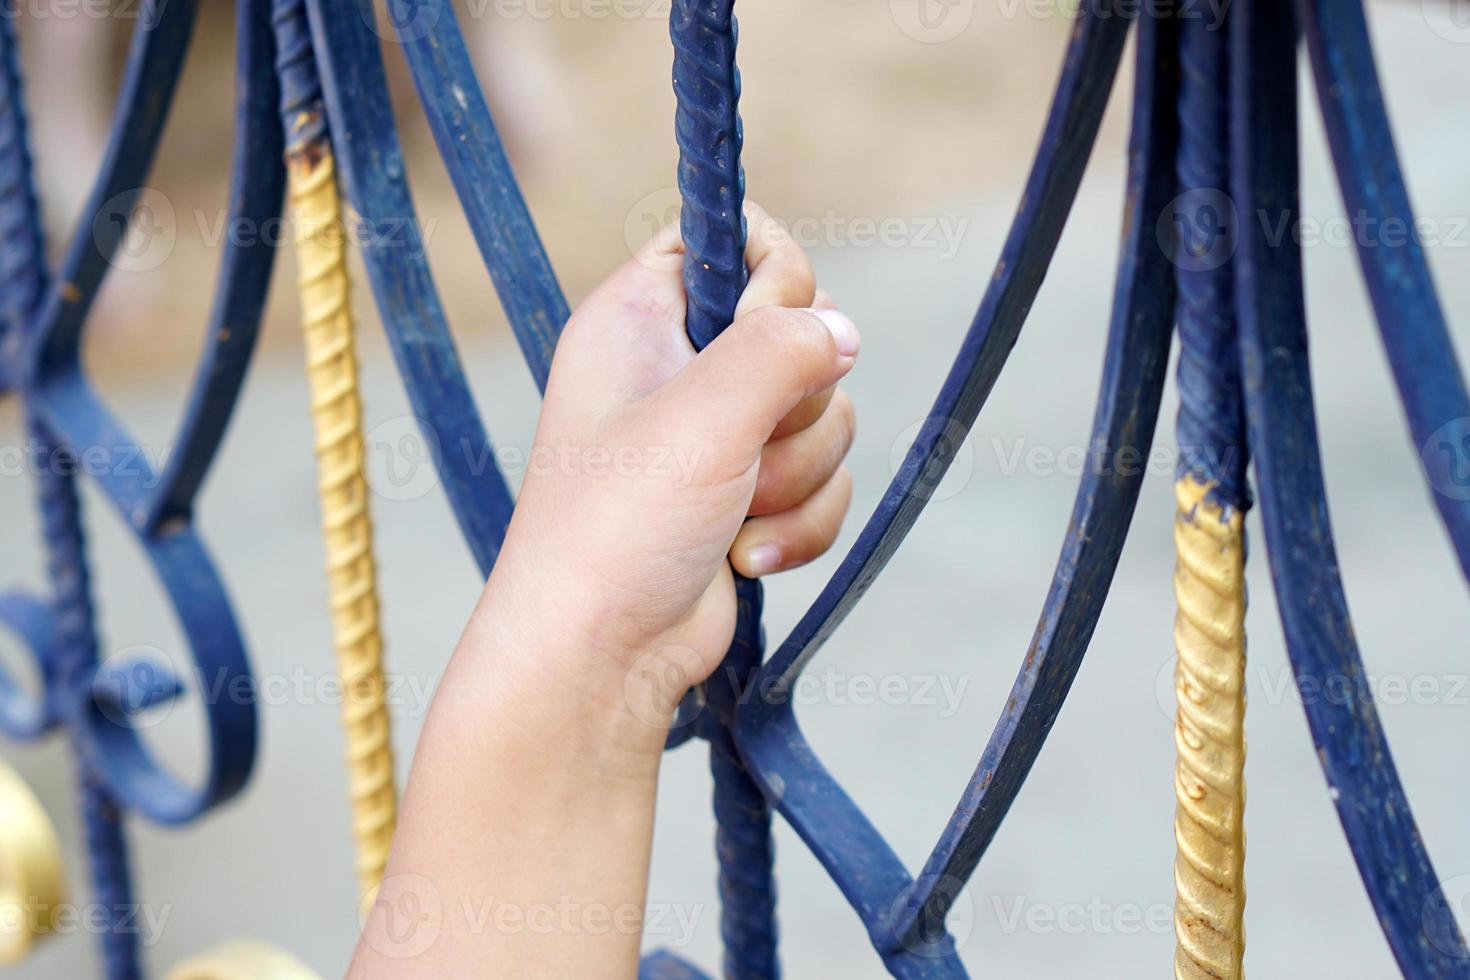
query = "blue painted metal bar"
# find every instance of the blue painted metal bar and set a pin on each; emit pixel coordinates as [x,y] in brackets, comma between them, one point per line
[22,716]
[1354,753]
[712,222]
[71,655]
[21,249]
[69,410]
[43,359]
[743,843]
[711,180]
[1211,424]
[1127,414]
[1410,320]
[860,861]
[22,280]
[663,965]
[1071,127]
[155,60]
[470,146]
[257,187]
[366,140]
[75,661]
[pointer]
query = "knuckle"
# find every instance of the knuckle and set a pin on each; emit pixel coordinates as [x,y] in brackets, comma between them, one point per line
[786,334]
[798,276]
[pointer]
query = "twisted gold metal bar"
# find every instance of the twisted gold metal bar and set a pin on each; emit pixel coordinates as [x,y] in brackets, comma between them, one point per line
[32,885]
[1209,777]
[342,490]
[242,959]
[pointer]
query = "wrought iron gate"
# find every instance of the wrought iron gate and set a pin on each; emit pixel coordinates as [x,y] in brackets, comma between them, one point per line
[1214,127]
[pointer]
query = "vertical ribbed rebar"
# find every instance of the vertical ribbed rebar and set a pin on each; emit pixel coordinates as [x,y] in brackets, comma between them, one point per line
[75,662]
[743,841]
[711,181]
[74,656]
[712,186]
[336,410]
[1211,497]
[22,254]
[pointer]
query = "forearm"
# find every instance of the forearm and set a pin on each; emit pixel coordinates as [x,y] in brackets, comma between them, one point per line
[523,845]
[528,817]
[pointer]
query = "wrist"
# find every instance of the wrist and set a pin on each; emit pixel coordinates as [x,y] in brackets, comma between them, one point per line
[588,685]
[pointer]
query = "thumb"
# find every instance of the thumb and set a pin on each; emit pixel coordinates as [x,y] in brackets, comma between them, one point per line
[749,377]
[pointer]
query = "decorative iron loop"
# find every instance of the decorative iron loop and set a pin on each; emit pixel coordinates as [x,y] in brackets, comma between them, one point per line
[75,653]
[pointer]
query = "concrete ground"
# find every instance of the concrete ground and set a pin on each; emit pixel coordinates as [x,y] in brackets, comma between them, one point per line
[1078,881]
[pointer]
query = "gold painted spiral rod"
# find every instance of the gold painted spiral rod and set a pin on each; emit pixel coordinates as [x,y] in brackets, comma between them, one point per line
[336,409]
[1209,734]
[32,880]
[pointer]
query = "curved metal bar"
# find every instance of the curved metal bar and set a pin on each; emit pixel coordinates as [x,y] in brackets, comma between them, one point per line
[155,60]
[22,282]
[1410,320]
[663,965]
[712,220]
[71,653]
[877,885]
[257,183]
[1351,746]
[67,404]
[361,119]
[1071,128]
[74,661]
[1127,414]
[69,419]
[22,716]
[464,130]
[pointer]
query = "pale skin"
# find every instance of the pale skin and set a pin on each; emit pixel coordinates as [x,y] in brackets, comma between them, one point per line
[524,841]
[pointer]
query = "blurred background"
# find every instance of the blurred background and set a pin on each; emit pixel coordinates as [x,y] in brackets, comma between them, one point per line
[893,140]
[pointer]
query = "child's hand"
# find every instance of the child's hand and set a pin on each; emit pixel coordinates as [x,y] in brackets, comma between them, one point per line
[649,459]
[536,772]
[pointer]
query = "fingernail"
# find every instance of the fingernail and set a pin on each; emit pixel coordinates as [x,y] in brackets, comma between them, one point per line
[763,558]
[844,331]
